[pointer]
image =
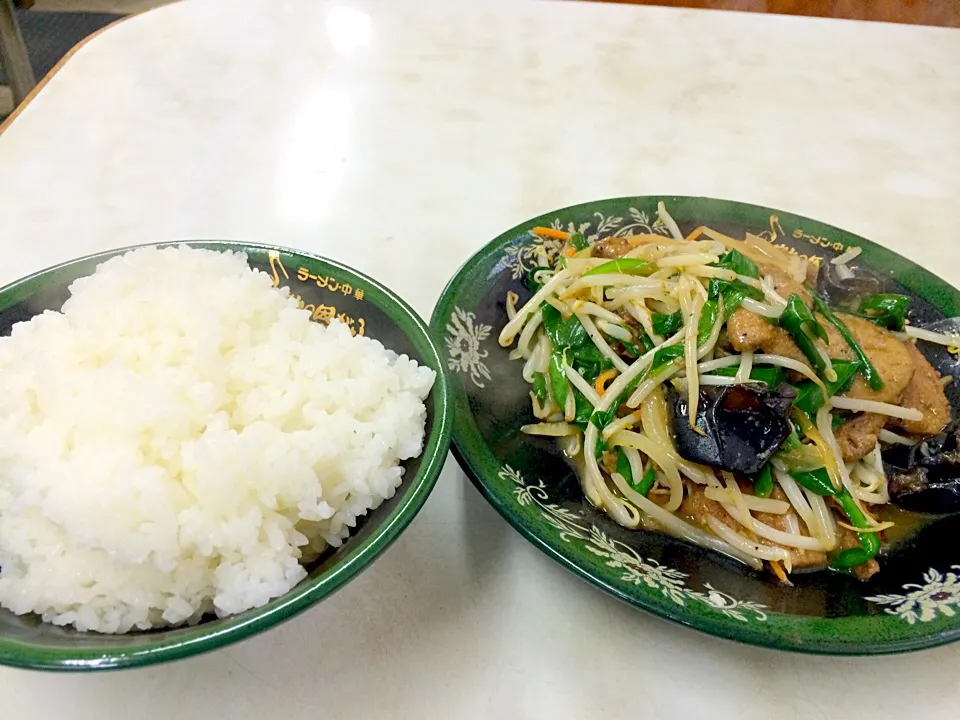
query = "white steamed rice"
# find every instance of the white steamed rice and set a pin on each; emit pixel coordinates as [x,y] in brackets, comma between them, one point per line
[180,438]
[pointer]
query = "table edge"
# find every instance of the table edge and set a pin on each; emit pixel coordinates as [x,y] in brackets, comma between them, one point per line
[42,83]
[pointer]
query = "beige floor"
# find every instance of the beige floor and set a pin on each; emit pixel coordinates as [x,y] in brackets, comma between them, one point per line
[117,6]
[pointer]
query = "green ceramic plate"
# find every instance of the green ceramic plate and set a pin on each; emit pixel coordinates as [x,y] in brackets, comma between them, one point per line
[913,603]
[327,288]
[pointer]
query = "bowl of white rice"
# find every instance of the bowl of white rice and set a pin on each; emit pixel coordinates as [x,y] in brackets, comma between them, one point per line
[198,441]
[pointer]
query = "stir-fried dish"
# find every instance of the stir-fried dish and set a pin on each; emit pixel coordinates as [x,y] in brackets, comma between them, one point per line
[734,395]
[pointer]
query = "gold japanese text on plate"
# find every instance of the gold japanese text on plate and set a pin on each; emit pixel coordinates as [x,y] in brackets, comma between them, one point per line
[776,231]
[320,312]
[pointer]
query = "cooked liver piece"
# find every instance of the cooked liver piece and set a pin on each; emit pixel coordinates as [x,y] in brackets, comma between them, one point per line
[749,331]
[858,436]
[697,506]
[925,393]
[848,540]
[888,354]
[612,247]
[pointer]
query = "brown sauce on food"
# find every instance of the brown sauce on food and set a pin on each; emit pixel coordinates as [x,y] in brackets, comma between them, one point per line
[907,524]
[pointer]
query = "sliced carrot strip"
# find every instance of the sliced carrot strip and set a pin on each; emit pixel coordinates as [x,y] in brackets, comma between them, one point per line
[602,380]
[778,571]
[551,233]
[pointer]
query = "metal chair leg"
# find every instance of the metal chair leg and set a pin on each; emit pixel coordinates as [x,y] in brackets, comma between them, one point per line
[13,54]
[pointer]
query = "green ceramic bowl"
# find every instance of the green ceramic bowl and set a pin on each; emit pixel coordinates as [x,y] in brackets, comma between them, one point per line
[324,286]
[913,603]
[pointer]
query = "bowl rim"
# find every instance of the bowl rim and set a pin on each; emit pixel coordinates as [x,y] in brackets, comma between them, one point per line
[309,592]
[466,435]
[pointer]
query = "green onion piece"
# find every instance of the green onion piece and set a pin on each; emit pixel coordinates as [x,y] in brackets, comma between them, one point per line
[798,314]
[792,442]
[647,481]
[623,466]
[740,264]
[540,388]
[816,481]
[887,310]
[798,320]
[578,241]
[708,317]
[584,410]
[845,369]
[571,334]
[869,541]
[810,397]
[590,369]
[733,292]
[663,357]
[630,266]
[732,299]
[601,446]
[634,350]
[803,458]
[867,369]
[667,325]
[559,381]
[604,418]
[797,456]
[630,349]
[797,428]
[563,333]
[854,556]
[531,282]
[763,482]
